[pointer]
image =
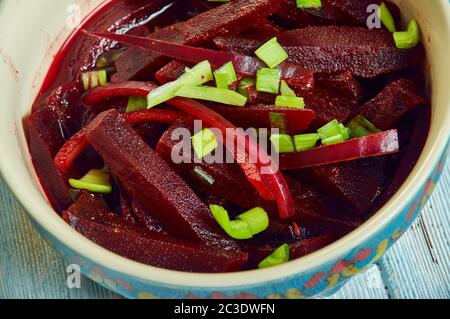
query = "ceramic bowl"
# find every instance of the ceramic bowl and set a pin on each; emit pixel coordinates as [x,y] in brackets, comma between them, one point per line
[26,50]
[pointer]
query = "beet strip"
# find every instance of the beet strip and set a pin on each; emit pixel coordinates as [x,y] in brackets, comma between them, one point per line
[366,53]
[230,18]
[383,143]
[245,66]
[78,143]
[111,231]
[130,88]
[288,120]
[391,105]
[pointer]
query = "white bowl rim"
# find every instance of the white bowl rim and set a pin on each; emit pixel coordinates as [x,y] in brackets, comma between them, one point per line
[105,258]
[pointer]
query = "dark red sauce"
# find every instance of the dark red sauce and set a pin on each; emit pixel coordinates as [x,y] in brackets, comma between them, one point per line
[157,212]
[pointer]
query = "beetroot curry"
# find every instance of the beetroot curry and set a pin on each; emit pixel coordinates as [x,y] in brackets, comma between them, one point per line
[337,93]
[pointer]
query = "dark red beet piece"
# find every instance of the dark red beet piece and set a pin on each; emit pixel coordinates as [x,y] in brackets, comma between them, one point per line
[383,143]
[392,104]
[329,106]
[288,120]
[354,12]
[114,233]
[111,90]
[170,72]
[306,17]
[366,53]
[55,121]
[342,83]
[145,218]
[230,18]
[346,182]
[45,140]
[319,213]
[149,179]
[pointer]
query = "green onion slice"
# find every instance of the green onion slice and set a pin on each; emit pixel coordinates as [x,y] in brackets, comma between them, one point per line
[290,101]
[244,85]
[136,103]
[305,142]
[93,79]
[198,75]
[225,76]
[333,133]
[309,4]
[203,176]
[410,38]
[204,143]
[360,127]
[245,226]
[268,80]
[95,181]
[386,18]
[272,53]
[283,143]
[285,90]
[212,94]
[278,257]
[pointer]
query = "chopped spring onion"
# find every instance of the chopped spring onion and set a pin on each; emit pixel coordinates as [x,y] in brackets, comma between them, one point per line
[204,143]
[136,103]
[305,142]
[199,74]
[333,132]
[95,181]
[278,257]
[225,76]
[290,101]
[386,18]
[360,127]
[268,80]
[283,143]
[272,53]
[93,79]
[245,226]
[285,90]
[212,94]
[410,38]
[244,85]
[309,4]
[107,59]
[203,176]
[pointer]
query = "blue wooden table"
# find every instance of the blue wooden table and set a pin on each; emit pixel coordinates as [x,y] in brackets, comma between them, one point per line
[418,266]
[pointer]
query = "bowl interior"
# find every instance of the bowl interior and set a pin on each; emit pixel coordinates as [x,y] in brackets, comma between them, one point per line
[23,65]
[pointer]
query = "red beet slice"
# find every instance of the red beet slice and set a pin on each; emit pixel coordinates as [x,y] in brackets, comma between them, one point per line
[149,179]
[390,106]
[306,17]
[45,140]
[230,18]
[342,83]
[383,143]
[354,12]
[58,117]
[288,120]
[366,53]
[111,90]
[116,234]
[170,72]
[245,66]
[329,106]
[346,182]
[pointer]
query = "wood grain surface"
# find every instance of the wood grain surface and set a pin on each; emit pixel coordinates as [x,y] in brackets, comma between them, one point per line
[418,266]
